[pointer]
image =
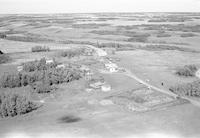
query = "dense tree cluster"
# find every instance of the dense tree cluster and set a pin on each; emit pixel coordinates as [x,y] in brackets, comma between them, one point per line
[12,104]
[189,89]
[187,70]
[40,74]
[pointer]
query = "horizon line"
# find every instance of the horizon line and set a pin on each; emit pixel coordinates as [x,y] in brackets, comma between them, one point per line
[94,12]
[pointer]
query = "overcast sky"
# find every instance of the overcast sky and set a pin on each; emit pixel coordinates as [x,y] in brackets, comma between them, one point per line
[73,6]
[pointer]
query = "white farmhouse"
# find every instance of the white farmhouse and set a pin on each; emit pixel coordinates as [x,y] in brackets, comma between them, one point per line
[60,66]
[19,68]
[49,61]
[105,88]
[111,65]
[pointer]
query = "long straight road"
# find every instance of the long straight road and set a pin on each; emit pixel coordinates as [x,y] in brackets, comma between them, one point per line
[130,74]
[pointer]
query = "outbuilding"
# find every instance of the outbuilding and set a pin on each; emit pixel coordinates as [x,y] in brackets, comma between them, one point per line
[60,66]
[106,88]
[198,73]
[19,68]
[49,61]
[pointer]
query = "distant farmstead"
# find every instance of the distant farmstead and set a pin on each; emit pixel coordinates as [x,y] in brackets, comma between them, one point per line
[111,67]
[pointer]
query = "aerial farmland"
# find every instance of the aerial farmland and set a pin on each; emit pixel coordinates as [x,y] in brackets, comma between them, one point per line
[100,75]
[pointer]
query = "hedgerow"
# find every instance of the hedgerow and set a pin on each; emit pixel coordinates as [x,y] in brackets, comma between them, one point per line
[52,76]
[72,53]
[40,49]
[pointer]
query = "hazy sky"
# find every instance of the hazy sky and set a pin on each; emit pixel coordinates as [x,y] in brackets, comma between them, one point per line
[65,6]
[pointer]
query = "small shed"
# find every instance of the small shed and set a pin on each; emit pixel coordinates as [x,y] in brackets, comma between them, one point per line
[198,73]
[106,88]
[60,66]
[49,61]
[96,85]
[111,65]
